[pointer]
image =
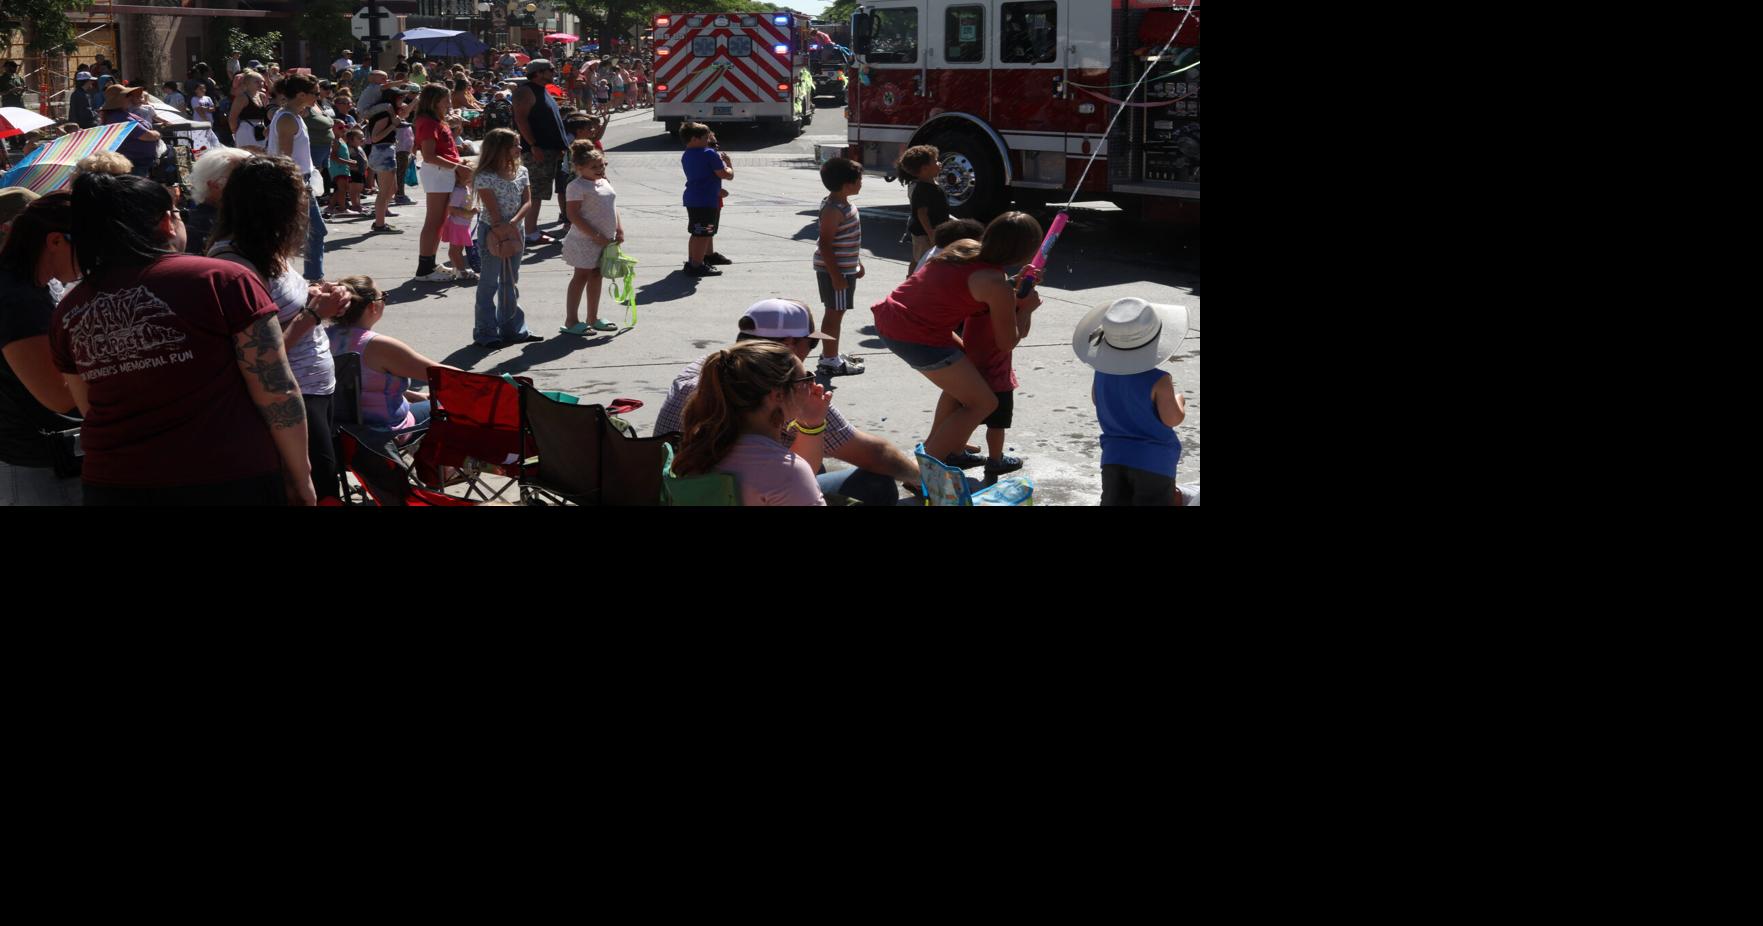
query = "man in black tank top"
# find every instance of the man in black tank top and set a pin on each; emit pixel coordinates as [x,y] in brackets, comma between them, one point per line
[542,139]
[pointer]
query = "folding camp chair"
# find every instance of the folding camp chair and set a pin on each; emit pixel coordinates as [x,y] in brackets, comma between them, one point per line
[946,486]
[707,490]
[347,410]
[373,459]
[474,429]
[584,456]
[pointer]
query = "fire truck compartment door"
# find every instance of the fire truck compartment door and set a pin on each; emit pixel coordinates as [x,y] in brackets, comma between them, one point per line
[1028,51]
[897,65]
[960,58]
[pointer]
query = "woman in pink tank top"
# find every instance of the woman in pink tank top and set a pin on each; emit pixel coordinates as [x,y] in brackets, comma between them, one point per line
[917,321]
[387,364]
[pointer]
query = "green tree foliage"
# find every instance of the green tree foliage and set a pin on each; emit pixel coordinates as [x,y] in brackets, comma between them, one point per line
[839,12]
[48,19]
[262,47]
[325,23]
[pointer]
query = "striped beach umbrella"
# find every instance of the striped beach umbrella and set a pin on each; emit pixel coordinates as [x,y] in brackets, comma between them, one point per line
[50,167]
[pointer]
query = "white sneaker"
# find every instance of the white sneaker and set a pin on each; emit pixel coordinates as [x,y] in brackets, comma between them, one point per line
[442,274]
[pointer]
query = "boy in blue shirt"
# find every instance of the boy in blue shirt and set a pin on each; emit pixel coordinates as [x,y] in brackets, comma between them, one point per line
[705,169]
[1137,404]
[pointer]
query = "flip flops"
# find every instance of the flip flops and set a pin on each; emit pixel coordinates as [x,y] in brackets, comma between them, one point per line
[601,324]
[578,329]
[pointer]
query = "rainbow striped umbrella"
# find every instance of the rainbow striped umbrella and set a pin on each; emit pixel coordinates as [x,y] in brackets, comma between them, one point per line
[50,167]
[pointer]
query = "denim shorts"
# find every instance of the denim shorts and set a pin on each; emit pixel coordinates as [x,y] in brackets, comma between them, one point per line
[382,158]
[923,357]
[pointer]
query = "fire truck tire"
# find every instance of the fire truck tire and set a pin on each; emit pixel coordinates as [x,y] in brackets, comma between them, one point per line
[671,127]
[977,189]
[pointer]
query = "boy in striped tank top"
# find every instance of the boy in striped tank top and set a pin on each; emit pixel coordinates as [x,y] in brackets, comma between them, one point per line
[836,262]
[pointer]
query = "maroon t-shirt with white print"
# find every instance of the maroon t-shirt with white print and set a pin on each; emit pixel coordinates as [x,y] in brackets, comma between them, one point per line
[154,344]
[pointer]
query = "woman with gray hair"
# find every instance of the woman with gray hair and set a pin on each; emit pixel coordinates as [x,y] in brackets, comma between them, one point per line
[207,181]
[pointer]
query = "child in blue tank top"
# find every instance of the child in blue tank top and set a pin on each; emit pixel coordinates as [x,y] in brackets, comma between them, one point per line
[1137,404]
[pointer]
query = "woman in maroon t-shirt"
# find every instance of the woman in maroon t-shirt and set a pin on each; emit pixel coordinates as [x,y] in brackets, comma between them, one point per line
[917,321]
[176,362]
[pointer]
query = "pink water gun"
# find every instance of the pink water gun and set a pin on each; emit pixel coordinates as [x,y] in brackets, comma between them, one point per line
[1032,273]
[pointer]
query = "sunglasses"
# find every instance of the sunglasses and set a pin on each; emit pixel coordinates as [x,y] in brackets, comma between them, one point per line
[800,380]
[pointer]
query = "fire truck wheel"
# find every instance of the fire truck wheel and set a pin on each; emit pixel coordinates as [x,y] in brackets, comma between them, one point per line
[671,127]
[972,179]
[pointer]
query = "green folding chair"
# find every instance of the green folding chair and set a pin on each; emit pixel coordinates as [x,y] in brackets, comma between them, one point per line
[711,490]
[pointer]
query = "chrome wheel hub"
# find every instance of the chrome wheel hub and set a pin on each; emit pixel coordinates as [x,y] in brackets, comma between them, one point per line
[958,179]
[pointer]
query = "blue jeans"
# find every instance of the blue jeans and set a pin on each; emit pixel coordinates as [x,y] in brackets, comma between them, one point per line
[874,490]
[315,232]
[493,322]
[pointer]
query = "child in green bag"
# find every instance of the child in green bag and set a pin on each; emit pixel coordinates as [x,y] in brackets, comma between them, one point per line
[590,201]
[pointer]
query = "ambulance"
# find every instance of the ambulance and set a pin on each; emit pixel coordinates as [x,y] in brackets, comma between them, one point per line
[719,68]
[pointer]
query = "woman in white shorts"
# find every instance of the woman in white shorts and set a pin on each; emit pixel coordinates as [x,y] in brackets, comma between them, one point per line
[441,169]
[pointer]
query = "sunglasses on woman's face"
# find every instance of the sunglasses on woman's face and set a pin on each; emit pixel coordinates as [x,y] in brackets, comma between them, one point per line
[801,380]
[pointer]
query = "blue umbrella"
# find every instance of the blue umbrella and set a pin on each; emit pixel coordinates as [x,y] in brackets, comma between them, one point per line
[445,42]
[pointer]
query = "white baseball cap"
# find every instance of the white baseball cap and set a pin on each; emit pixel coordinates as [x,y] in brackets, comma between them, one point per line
[779,318]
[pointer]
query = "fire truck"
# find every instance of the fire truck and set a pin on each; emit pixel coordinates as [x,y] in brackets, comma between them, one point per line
[731,67]
[1017,94]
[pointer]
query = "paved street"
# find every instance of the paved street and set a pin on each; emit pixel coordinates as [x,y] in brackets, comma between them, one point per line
[768,229]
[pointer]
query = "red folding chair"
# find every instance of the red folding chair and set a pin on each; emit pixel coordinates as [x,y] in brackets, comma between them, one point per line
[473,430]
[375,462]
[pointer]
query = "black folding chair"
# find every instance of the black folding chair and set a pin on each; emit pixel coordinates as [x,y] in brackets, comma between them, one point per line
[583,456]
[347,411]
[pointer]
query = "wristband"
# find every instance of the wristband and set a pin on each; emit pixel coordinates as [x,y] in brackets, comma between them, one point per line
[811,432]
[316,319]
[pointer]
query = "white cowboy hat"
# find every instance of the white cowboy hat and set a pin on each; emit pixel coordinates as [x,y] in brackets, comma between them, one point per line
[1130,335]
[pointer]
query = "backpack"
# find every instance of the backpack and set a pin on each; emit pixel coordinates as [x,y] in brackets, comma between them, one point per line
[498,114]
[620,271]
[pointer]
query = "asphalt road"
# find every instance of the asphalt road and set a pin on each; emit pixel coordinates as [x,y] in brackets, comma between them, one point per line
[768,230]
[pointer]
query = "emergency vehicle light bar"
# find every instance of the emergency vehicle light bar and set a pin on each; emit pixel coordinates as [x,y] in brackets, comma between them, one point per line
[663,52]
[783,86]
[781,49]
[660,20]
[781,20]
[660,88]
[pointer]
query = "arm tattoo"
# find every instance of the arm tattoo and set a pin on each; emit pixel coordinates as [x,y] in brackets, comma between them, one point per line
[265,334]
[261,355]
[273,374]
[288,413]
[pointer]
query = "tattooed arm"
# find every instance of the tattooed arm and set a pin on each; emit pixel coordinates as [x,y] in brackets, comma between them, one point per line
[270,380]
